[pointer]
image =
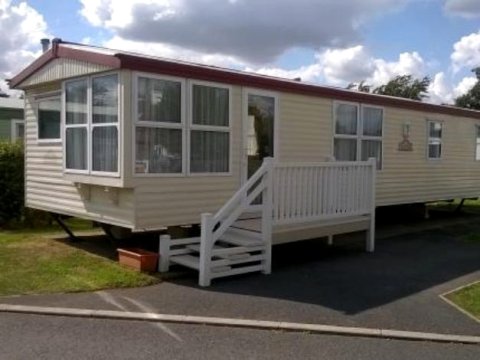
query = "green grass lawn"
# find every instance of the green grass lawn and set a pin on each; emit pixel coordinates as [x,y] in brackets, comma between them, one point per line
[468,299]
[32,262]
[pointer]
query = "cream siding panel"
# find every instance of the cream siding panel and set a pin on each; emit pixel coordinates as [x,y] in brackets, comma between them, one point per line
[409,177]
[306,134]
[62,68]
[305,128]
[169,201]
[47,189]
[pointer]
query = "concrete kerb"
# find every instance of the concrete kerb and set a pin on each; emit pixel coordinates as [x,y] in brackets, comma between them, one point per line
[242,323]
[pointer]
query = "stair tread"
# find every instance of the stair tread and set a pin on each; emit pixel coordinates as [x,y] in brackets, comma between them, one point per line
[221,268]
[190,261]
[196,247]
[240,240]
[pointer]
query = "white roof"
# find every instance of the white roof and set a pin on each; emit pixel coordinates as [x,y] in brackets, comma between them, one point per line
[12,103]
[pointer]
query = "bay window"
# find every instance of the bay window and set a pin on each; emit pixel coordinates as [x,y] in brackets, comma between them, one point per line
[358,132]
[210,129]
[161,127]
[434,151]
[91,124]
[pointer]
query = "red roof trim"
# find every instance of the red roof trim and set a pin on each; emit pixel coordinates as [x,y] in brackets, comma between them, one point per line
[199,72]
[89,56]
[32,68]
[63,52]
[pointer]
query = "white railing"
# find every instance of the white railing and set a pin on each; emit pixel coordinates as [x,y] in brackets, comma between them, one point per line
[282,193]
[321,191]
[214,226]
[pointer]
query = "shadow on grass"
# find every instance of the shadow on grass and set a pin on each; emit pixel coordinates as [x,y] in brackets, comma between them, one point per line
[102,245]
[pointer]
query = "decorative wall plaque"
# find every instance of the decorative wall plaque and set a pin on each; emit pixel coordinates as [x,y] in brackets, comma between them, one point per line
[405,144]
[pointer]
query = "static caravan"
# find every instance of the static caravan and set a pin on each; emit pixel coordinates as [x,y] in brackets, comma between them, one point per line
[146,143]
[11,119]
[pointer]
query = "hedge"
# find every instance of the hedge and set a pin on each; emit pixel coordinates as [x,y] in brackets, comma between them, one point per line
[11,181]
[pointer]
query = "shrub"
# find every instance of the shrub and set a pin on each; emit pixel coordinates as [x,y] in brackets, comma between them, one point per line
[11,181]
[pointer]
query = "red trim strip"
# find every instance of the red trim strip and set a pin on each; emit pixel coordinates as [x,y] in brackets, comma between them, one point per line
[32,68]
[158,66]
[63,52]
[88,56]
[200,72]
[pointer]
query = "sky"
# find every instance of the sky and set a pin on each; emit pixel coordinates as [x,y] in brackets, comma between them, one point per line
[329,42]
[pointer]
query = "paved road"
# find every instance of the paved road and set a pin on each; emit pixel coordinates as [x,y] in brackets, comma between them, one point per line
[397,287]
[41,337]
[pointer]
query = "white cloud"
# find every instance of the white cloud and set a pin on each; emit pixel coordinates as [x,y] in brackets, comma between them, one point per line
[339,67]
[173,52]
[308,73]
[407,64]
[464,86]
[466,52]
[21,28]
[346,65]
[464,8]
[442,91]
[256,31]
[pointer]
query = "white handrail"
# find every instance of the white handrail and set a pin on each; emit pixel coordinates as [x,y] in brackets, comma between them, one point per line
[241,193]
[214,226]
[293,193]
[305,192]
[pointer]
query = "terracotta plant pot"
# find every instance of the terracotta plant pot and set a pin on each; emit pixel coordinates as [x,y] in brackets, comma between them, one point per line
[138,259]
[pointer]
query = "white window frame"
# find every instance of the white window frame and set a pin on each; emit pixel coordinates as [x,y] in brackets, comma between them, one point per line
[49,97]
[477,142]
[430,139]
[157,124]
[89,125]
[13,129]
[359,137]
[225,129]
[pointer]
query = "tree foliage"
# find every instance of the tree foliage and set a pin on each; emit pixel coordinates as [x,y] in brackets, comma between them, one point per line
[362,86]
[405,86]
[471,100]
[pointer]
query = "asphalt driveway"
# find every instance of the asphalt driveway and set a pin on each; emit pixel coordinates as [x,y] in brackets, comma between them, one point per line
[397,287]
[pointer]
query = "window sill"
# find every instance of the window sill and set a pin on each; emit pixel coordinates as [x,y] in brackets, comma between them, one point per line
[94,179]
[47,142]
[213,174]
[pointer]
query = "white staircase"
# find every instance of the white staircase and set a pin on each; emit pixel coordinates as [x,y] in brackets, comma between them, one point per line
[283,195]
[223,249]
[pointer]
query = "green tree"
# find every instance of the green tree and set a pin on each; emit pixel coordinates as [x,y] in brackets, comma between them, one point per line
[471,100]
[361,86]
[405,86]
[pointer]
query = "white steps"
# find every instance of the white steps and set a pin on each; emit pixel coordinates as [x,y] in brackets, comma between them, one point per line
[193,262]
[189,261]
[237,251]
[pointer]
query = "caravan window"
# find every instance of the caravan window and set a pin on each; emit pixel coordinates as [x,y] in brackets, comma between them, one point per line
[210,132]
[159,126]
[105,123]
[358,132]
[49,119]
[435,129]
[166,143]
[91,125]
